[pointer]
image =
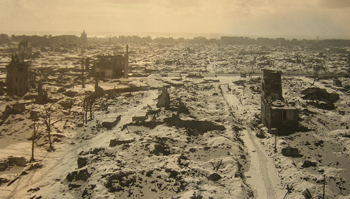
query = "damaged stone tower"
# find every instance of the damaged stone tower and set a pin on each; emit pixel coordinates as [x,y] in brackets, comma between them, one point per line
[275,112]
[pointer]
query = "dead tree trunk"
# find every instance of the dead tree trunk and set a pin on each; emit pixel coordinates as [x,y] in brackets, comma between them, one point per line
[84,102]
[32,159]
[85,109]
[90,106]
[48,128]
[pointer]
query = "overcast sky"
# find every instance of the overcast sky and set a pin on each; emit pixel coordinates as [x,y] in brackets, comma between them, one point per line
[326,18]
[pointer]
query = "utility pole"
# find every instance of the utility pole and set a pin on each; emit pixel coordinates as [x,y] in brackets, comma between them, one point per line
[275,131]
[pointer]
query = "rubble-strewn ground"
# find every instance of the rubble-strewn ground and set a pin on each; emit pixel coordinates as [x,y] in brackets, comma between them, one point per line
[203,146]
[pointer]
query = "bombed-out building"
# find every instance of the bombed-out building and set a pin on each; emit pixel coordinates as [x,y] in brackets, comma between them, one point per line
[112,66]
[275,112]
[18,77]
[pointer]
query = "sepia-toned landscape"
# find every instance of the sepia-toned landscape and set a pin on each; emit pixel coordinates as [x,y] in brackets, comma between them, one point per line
[199,117]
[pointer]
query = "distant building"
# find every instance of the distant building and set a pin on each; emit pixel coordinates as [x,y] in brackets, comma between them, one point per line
[4,38]
[112,66]
[65,39]
[18,77]
[83,37]
[25,49]
[275,113]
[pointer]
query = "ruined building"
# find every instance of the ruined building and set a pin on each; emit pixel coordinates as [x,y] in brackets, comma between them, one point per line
[112,66]
[275,113]
[18,77]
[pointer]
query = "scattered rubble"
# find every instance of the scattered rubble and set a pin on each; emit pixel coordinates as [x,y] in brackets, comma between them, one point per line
[111,122]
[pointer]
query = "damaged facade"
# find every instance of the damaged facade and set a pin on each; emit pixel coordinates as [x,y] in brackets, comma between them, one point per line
[112,66]
[275,113]
[18,77]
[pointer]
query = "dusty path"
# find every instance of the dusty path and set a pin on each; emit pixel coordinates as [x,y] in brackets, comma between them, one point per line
[262,175]
[63,160]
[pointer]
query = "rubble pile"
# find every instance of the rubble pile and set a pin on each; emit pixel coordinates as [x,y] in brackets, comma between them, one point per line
[148,162]
[318,94]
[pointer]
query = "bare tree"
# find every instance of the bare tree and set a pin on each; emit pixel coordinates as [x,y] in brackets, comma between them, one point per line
[32,159]
[48,123]
[85,109]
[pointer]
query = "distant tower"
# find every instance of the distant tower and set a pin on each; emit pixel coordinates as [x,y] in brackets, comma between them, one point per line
[126,68]
[83,37]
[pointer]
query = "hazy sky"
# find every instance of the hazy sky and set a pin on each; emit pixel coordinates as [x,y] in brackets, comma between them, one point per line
[329,18]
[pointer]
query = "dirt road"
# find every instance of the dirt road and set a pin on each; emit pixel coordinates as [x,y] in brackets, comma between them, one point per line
[262,175]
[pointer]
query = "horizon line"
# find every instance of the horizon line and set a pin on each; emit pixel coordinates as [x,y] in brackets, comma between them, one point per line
[186,35]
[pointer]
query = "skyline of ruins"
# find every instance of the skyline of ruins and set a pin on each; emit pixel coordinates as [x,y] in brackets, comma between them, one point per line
[299,19]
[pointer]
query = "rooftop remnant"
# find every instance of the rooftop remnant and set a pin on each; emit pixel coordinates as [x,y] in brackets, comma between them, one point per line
[275,113]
